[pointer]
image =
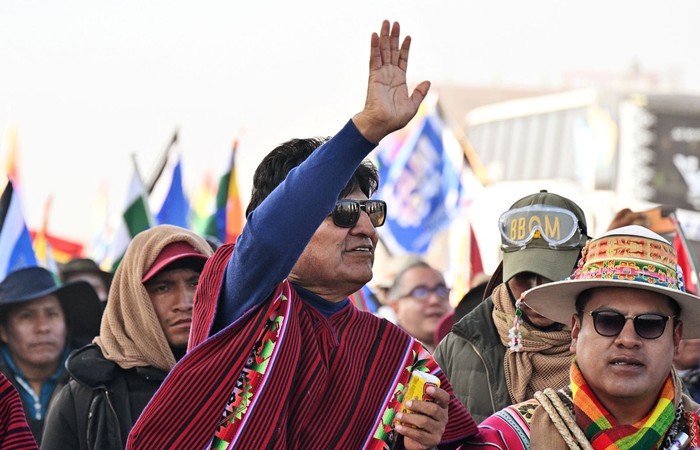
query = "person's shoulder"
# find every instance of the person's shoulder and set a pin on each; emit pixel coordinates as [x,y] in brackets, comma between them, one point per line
[524,409]
[89,368]
[477,322]
[6,371]
[151,374]
[380,322]
[519,413]
[476,327]
[483,311]
[690,404]
[507,428]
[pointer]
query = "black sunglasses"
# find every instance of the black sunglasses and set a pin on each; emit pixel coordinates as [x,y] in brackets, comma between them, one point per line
[347,212]
[611,323]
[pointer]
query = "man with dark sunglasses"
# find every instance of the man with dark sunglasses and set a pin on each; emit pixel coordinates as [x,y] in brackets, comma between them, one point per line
[628,310]
[278,355]
[502,352]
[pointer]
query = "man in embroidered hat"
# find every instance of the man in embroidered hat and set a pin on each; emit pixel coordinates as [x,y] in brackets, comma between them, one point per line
[503,351]
[144,331]
[628,310]
[279,356]
[40,323]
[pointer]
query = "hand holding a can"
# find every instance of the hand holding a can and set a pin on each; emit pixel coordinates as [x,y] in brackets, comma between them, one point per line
[424,423]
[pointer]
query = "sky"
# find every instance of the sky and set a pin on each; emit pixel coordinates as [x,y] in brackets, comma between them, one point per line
[93,85]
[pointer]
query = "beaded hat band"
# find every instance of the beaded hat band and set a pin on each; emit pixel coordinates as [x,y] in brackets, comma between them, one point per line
[630,258]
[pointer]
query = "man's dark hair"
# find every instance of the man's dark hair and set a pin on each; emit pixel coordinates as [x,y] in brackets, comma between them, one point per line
[279,162]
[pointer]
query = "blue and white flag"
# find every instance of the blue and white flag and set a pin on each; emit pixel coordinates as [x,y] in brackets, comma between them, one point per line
[421,184]
[16,251]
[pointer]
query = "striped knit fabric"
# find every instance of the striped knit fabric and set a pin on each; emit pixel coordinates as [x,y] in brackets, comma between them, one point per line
[14,431]
[603,430]
[328,382]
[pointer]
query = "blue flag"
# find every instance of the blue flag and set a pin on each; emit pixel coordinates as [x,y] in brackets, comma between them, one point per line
[167,196]
[16,251]
[176,208]
[421,185]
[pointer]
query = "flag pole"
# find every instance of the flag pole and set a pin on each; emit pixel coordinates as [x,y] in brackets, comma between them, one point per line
[470,153]
[161,163]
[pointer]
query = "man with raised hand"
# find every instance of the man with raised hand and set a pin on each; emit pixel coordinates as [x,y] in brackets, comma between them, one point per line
[280,358]
[144,332]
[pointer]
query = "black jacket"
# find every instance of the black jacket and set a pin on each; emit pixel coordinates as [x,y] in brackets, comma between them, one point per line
[100,404]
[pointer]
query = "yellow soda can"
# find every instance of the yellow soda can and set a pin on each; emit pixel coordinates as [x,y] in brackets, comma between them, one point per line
[417,386]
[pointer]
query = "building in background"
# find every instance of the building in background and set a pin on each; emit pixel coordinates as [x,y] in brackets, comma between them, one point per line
[607,149]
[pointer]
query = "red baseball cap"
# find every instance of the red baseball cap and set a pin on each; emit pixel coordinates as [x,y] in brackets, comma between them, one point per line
[171,253]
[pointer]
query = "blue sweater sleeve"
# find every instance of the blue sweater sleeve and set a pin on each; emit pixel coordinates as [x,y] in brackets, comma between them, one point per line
[277,231]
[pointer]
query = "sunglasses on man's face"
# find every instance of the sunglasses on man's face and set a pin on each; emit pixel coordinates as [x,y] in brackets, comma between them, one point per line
[347,212]
[611,323]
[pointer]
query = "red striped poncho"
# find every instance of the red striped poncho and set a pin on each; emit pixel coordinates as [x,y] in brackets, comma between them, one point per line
[14,431]
[285,376]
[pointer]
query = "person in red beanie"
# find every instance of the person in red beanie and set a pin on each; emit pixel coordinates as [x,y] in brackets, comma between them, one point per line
[144,332]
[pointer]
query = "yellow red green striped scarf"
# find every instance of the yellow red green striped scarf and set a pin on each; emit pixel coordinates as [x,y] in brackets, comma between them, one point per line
[602,429]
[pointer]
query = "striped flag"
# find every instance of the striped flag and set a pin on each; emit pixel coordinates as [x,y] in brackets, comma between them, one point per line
[52,250]
[227,221]
[135,219]
[10,149]
[684,253]
[365,299]
[203,201]
[61,249]
[100,227]
[16,251]
[42,246]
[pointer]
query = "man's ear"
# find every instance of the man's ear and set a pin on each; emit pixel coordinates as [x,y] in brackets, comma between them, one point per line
[3,334]
[575,330]
[677,335]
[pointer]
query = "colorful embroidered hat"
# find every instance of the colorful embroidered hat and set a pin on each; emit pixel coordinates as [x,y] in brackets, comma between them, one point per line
[630,257]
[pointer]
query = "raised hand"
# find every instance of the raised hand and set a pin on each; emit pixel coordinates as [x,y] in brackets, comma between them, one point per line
[388,106]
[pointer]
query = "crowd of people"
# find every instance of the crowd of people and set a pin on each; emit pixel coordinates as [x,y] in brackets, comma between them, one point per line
[575,341]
